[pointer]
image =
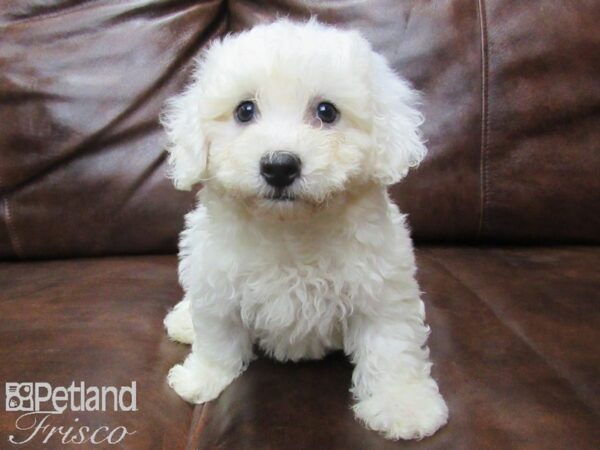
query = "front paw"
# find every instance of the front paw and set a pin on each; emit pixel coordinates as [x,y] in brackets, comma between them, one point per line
[179,323]
[198,382]
[407,411]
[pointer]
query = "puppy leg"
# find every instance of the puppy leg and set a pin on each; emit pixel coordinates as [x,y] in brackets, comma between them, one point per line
[391,381]
[178,323]
[221,351]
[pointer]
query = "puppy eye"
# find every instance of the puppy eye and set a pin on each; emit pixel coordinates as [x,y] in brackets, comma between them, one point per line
[327,112]
[245,111]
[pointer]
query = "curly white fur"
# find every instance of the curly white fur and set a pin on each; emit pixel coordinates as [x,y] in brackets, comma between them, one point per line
[332,269]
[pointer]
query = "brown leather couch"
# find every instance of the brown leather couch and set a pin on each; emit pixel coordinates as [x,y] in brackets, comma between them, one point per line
[505,211]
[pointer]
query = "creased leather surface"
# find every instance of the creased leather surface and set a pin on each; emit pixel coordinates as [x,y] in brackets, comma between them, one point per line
[514,339]
[510,94]
[81,87]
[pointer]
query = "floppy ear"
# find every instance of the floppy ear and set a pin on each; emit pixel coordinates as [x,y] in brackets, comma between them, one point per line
[187,146]
[396,122]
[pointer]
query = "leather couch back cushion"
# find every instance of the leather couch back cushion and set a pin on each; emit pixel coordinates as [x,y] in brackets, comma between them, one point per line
[511,97]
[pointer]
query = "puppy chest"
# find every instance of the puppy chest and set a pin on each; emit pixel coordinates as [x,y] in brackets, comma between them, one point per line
[293,303]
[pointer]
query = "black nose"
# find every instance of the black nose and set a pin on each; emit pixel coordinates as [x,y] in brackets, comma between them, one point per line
[280,169]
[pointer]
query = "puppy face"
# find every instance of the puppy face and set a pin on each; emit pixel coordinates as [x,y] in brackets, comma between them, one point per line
[289,116]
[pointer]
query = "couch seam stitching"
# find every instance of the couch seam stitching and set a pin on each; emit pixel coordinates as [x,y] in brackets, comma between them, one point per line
[483,159]
[199,422]
[12,233]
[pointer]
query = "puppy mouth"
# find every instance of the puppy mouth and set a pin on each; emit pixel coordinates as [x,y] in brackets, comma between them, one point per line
[280,196]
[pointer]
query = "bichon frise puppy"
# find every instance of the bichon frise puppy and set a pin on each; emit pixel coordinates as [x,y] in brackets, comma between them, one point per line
[295,130]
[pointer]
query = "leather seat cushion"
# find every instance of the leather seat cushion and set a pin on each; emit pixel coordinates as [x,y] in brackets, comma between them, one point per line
[514,338]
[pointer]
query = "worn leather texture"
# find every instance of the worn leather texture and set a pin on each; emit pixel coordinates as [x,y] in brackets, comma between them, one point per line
[98,321]
[511,96]
[510,93]
[514,345]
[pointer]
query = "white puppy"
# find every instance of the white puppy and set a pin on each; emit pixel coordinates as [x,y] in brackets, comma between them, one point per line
[295,130]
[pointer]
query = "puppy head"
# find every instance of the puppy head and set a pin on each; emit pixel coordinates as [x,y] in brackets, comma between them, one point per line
[290,115]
